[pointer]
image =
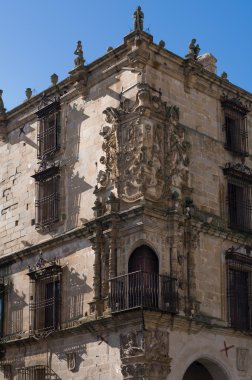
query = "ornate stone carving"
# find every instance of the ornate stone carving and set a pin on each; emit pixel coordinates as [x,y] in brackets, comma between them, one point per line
[131,344]
[2,109]
[138,16]
[145,353]
[79,60]
[145,150]
[157,345]
[193,50]
[242,359]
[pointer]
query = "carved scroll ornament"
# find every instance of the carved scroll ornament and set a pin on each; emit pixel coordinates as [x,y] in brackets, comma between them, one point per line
[144,149]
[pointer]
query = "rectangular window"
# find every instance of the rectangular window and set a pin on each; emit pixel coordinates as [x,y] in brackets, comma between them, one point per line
[49,130]
[45,299]
[239,196]
[38,372]
[47,197]
[240,205]
[239,290]
[2,302]
[236,134]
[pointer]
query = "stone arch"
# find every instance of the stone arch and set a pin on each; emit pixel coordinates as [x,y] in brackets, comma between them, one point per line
[143,242]
[143,282]
[143,258]
[205,368]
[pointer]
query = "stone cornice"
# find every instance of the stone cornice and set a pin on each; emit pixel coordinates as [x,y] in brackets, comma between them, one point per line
[19,255]
[137,320]
[117,55]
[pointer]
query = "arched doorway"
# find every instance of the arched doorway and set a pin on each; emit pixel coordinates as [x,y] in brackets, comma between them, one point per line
[143,269]
[197,371]
[143,258]
[205,369]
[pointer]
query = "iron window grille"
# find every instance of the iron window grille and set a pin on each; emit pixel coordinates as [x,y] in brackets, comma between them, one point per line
[45,296]
[48,137]
[239,290]
[235,125]
[7,371]
[37,372]
[2,301]
[239,197]
[47,197]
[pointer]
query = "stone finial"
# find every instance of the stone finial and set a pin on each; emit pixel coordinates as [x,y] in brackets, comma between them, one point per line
[79,60]
[28,93]
[224,76]
[208,61]
[138,16]
[54,79]
[161,43]
[109,49]
[193,50]
[2,109]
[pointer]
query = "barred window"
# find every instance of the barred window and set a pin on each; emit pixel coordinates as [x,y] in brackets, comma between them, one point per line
[2,291]
[32,373]
[48,137]
[239,290]
[236,134]
[239,197]
[47,197]
[44,297]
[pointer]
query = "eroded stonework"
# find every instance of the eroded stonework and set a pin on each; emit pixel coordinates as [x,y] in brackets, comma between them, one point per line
[145,354]
[146,155]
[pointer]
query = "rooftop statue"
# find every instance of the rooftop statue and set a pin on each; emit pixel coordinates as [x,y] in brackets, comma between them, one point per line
[138,16]
[2,109]
[79,60]
[193,50]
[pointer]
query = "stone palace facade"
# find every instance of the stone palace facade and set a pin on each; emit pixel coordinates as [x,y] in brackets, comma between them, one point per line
[126,221]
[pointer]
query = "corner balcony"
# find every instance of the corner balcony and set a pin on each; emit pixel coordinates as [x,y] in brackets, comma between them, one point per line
[143,290]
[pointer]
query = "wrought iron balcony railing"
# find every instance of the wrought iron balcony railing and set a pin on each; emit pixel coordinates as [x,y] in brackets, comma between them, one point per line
[145,290]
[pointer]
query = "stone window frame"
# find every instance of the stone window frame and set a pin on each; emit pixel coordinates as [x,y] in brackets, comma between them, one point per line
[239,196]
[49,129]
[37,372]
[239,275]
[44,308]
[235,126]
[47,197]
[2,306]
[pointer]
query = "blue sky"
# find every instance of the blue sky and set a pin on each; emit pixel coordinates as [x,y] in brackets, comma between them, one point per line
[38,37]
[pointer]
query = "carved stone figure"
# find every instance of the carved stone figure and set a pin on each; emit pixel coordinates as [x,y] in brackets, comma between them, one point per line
[138,16]
[145,354]
[79,60]
[102,178]
[2,109]
[157,345]
[193,50]
[131,345]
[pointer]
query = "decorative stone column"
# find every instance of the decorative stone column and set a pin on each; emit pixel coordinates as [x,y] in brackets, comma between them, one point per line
[96,241]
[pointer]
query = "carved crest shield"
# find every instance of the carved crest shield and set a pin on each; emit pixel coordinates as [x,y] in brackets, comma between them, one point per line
[242,355]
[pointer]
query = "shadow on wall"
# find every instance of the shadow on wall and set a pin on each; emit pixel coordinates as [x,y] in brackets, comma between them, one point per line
[73,354]
[75,185]
[16,305]
[75,292]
